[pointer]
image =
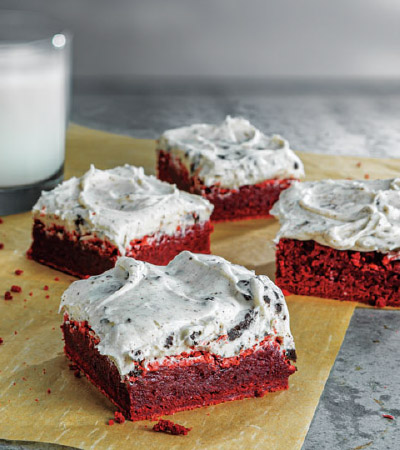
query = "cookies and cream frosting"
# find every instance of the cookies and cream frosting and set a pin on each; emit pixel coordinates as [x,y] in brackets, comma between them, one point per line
[142,312]
[232,154]
[120,204]
[343,214]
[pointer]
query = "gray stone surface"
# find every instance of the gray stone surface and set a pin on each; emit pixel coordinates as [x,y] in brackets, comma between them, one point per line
[24,445]
[340,122]
[363,385]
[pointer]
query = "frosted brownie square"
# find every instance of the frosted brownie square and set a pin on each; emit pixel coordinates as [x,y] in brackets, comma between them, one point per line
[340,239]
[240,170]
[161,339]
[82,226]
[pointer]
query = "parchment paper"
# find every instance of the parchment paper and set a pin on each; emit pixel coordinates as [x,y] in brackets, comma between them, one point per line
[74,413]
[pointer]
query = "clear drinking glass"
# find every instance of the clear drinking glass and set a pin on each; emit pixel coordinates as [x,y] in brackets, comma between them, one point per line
[35,62]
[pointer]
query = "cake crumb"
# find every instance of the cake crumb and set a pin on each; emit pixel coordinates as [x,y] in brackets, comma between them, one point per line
[31,293]
[366,176]
[1,220]
[56,279]
[49,391]
[15,288]
[119,417]
[380,303]
[1,340]
[358,164]
[110,422]
[47,296]
[8,296]
[388,416]
[46,288]
[166,426]
[18,272]
[1,246]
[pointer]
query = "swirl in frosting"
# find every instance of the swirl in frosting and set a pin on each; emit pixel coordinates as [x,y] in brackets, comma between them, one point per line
[343,214]
[232,154]
[142,312]
[121,204]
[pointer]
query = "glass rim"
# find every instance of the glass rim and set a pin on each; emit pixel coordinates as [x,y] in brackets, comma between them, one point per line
[55,28]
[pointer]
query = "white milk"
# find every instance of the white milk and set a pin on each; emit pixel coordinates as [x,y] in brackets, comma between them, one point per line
[33,108]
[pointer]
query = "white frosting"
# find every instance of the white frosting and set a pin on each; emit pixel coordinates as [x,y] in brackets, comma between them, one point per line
[144,312]
[343,214]
[120,204]
[232,154]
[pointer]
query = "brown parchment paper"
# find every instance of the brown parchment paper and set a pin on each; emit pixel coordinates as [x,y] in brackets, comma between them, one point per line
[74,413]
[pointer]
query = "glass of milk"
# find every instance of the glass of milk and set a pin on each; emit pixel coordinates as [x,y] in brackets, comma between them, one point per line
[34,101]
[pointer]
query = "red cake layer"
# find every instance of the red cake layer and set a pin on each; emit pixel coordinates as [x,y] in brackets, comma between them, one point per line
[191,382]
[309,268]
[247,202]
[65,251]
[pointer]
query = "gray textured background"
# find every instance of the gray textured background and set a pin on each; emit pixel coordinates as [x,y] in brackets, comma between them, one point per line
[230,38]
[341,118]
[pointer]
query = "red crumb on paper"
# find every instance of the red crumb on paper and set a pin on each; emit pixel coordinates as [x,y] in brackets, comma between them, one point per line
[366,176]
[44,371]
[1,220]
[47,296]
[18,272]
[56,279]
[110,422]
[380,303]
[1,246]
[49,391]
[1,340]
[119,417]
[31,293]
[8,296]
[358,164]
[15,288]
[46,288]
[15,332]
[36,399]
[166,426]
[388,416]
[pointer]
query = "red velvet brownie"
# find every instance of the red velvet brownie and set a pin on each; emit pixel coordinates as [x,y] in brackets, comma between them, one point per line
[83,225]
[341,239]
[160,339]
[234,165]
